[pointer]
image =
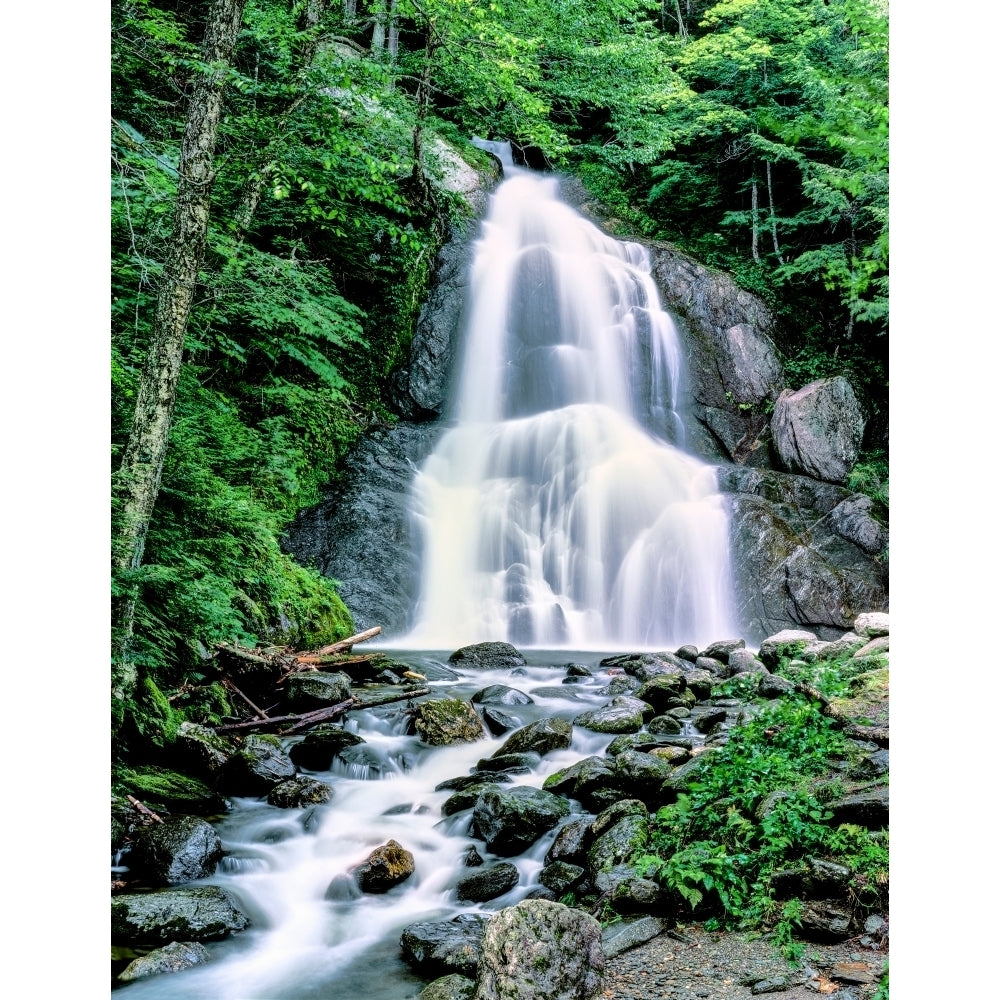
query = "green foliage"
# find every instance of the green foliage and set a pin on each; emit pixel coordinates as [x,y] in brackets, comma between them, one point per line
[753,808]
[870,476]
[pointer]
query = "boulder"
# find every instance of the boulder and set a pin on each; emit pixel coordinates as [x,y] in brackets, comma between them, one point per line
[825,921]
[571,842]
[664,725]
[174,957]
[787,643]
[853,519]
[818,429]
[443,721]
[201,750]
[488,883]
[500,694]
[872,624]
[487,656]
[661,690]
[560,876]
[498,722]
[257,767]
[872,648]
[540,950]
[312,689]
[180,849]
[321,744]
[628,892]
[384,868]
[620,831]
[453,987]
[623,714]
[195,913]
[868,809]
[722,649]
[299,792]
[440,948]
[540,737]
[625,934]
[510,820]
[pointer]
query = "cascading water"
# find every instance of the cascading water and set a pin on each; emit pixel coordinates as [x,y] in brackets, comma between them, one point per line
[559,509]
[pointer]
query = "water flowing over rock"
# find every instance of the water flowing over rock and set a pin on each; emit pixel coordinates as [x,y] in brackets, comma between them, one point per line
[447,720]
[200,913]
[540,950]
[818,429]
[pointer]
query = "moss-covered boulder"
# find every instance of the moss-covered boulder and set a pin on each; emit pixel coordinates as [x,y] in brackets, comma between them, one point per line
[321,744]
[258,765]
[310,690]
[166,791]
[787,643]
[196,913]
[384,868]
[453,987]
[510,820]
[201,751]
[623,714]
[620,832]
[174,957]
[443,721]
[180,849]
[298,792]
[487,656]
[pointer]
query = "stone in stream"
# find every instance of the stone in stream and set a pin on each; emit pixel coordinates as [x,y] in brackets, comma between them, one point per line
[201,751]
[488,883]
[312,689]
[384,868]
[180,849]
[195,913]
[298,792]
[571,842]
[626,837]
[721,650]
[500,694]
[174,957]
[560,876]
[539,950]
[321,744]
[437,948]
[444,721]
[257,766]
[661,689]
[487,656]
[511,820]
[623,714]
[540,737]
[453,987]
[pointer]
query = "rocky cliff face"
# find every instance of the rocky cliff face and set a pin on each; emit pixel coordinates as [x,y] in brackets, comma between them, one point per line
[807,553]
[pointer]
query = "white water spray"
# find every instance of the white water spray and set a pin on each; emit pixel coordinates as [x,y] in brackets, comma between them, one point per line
[559,509]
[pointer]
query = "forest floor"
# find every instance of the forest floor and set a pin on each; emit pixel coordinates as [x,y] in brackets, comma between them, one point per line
[691,963]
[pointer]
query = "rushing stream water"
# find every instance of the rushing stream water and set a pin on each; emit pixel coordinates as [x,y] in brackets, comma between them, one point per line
[280,862]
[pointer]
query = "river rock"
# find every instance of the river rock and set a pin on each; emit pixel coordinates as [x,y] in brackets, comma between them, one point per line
[180,849]
[872,624]
[825,920]
[661,689]
[453,987]
[539,950]
[664,725]
[299,792]
[642,774]
[201,750]
[258,766]
[445,947]
[869,809]
[818,429]
[628,892]
[571,842]
[623,714]
[384,868]
[510,820]
[560,876]
[467,797]
[620,831]
[500,694]
[625,934]
[787,643]
[540,737]
[444,721]
[321,744]
[498,722]
[487,656]
[196,913]
[721,650]
[174,957]
[312,689]
[774,686]
[742,660]
[488,883]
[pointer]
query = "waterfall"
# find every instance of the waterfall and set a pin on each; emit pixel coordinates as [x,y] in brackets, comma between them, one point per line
[559,509]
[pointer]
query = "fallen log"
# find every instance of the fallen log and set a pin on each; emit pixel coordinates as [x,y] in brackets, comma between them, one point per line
[345,644]
[143,810]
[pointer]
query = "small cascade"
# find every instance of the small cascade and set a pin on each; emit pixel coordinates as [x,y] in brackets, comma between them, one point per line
[559,509]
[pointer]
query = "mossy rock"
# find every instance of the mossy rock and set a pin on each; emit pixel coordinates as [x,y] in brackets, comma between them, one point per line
[163,790]
[444,721]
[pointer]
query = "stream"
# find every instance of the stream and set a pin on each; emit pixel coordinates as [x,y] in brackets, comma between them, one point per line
[279,863]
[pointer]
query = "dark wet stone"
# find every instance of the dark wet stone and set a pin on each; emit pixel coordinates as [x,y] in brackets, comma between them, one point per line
[488,883]
[180,849]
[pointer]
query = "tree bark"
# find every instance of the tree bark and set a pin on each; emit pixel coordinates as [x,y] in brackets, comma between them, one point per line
[138,479]
[754,232]
[774,220]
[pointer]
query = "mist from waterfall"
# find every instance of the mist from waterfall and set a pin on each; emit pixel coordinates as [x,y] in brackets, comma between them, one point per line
[559,509]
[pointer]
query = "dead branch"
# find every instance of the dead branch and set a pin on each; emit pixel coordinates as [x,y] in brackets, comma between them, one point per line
[345,644]
[259,712]
[143,811]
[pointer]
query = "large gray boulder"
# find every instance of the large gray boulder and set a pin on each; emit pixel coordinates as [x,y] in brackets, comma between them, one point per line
[314,689]
[511,820]
[197,913]
[444,947]
[818,429]
[540,737]
[623,714]
[539,950]
[321,744]
[257,767]
[487,883]
[180,849]
[487,656]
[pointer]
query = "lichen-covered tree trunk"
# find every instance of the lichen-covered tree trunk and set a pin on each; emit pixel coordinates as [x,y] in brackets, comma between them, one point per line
[138,480]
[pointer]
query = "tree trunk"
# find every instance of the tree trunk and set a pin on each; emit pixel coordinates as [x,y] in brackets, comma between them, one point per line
[754,232]
[774,220]
[138,479]
[393,30]
[378,35]
[681,27]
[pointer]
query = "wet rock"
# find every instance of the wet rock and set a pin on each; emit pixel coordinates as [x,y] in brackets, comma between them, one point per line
[689,653]
[498,722]
[700,683]
[560,876]
[500,694]
[539,737]
[342,889]
[180,849]
[868,809]
[164,790]
[310,689]
[742,660]
[196,913]
[630,741]
[619,685]
[445,947]
[617,839]
[628,892]
[571,842]
[443,721]
[201,750]
[641,774]
[774,686]
[852,519]
[464,781]
[453,987]
[565,781]
[578,670]
[516,763]
[662,689]
[174,957]
[818,429]
[721,650]
[321,744]
[664,725]
[624,714]
[384,868]
[466,797]
[296,793]
[488,883]
[487,656]
[510,820]
[257,767]
[539,950]
[825,920]
[787,643]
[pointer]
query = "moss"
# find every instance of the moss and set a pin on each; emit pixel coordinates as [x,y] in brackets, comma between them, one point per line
[168,791]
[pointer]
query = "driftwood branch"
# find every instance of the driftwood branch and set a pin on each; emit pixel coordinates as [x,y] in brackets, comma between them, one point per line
[259,712]
[143,811]
[345,644]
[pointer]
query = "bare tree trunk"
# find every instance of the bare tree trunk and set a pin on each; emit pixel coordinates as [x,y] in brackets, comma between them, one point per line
[138,480]
[753,221]
[378,35]
[681,27]
[393,30]
[350,9]
[774,220]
